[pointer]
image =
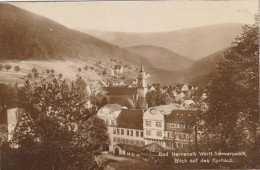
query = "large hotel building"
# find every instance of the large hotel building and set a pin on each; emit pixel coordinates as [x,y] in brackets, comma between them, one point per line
[159,128]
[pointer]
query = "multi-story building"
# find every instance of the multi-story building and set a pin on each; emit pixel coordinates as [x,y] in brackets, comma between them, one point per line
[125,129]
[131,131]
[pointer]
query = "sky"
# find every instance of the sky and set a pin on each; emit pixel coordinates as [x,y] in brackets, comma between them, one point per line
[144,16]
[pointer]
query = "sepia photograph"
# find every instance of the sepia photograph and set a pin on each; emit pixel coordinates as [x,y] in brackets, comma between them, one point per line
[129,85]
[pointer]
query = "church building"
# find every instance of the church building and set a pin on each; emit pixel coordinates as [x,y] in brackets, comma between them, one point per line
[116,93]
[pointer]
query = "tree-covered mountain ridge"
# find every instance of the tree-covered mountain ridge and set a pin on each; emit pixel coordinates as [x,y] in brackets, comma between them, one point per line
[25,35]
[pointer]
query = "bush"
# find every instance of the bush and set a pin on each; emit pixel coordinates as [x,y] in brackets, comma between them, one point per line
[29,76]
[34,70]
[16,68]
[8,67]
[36,75]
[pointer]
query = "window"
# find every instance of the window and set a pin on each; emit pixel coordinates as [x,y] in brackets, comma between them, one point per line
[118,131]
[122,131]
[181,125]
[132,142]
[179,145]
[158,124]
[137,133]
[142,134]
[114,131]
[126,141]
[127,132]
[148,123]
[148,132]
[112,122]
[158,133]
[118,140]
[131,133]
[107,122]
[182,136]
[137,142]
[114,139]
[185,146]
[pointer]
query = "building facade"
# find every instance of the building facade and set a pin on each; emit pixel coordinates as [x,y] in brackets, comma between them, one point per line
[132,131]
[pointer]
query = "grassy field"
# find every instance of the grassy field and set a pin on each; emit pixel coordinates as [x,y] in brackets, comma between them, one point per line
[68,68]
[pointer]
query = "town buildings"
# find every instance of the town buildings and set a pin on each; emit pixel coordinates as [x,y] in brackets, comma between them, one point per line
[116,93]
[132,131]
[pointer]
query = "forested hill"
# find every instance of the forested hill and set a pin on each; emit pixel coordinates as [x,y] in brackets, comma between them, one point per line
[25,35]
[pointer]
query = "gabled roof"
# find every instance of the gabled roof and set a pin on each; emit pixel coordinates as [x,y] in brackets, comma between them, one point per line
[166,109]
[121,90]
[131,119]
[181,116]
[179,86]
[114,107]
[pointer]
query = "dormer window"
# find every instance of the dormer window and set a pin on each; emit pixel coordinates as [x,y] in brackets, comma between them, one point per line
[153,111]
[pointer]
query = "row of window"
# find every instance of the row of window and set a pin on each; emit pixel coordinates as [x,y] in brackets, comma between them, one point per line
[175,125]
[148,123]
[112,122]
[177,145]
[128,141]
[169,134]
[135,133]
[149,133]
[177,135]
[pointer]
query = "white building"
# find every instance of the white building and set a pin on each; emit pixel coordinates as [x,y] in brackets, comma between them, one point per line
[125,128]
[8,121]
[131,131]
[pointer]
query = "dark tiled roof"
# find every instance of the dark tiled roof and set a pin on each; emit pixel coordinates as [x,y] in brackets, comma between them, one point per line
[130,118]
[114,107]
[130,147]
[179,86]
[181,116]
[120,91]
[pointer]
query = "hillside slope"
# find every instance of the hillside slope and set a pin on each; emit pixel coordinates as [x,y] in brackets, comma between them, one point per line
[161,58]
[24,35]
[204,69]
[194,43]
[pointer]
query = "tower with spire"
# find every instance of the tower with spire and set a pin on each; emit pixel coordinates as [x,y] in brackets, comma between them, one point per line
[142,82]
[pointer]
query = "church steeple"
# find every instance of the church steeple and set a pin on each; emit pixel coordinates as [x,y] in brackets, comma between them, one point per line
[142,79]
[142,67]
[142,82]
